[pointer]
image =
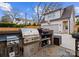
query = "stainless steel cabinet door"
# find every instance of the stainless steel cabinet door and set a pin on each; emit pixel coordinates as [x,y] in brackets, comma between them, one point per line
[31,49]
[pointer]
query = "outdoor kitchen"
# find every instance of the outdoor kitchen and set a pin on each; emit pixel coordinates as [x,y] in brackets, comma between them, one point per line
[34,40]
[25,42]
[30,42]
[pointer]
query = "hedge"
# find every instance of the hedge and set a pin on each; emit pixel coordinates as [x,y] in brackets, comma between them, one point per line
[6,24]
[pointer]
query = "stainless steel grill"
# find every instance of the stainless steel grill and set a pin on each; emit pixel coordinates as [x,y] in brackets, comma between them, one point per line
[30,35]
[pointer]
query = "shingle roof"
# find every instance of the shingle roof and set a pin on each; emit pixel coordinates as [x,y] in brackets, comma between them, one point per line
[67,12]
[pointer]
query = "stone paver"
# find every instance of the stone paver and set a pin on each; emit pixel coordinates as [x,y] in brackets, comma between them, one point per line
[53,51]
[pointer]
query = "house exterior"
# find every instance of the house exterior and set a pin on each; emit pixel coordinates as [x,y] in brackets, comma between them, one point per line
[22,21]
[6,18]
[29,21]
[19,21]
[16,20]
[60,20]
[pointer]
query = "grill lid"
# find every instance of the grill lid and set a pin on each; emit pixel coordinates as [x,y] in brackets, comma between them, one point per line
[29,31]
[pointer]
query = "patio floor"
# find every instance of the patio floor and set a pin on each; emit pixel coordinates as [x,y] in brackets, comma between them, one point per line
[54,51]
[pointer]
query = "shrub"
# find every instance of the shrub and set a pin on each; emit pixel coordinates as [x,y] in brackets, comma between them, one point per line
[77,22]
[34,24]
[29,24]
[7,24]
[20,25]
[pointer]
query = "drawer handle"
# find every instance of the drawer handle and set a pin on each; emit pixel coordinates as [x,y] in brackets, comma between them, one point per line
[26,40]
[32,39]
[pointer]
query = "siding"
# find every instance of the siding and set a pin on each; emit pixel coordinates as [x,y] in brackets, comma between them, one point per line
[53,15]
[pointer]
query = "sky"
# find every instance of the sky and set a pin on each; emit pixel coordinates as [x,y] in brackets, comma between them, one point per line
[29,7]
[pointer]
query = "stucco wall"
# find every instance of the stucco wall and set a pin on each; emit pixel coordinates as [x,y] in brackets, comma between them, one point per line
[67,41]
[58,28]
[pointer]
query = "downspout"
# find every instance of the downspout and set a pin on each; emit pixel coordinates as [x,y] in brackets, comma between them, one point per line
[69,24]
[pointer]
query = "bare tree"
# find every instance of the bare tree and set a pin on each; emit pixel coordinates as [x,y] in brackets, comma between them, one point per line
[45,8]
[13,14]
